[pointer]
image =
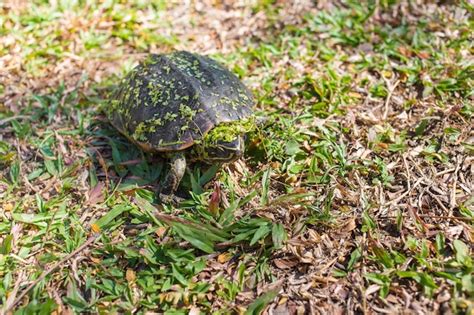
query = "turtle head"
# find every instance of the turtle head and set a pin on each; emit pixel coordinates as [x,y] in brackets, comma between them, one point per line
[224,143]
[224,150]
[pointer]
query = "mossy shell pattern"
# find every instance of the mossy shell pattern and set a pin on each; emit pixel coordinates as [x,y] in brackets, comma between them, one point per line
[169,101]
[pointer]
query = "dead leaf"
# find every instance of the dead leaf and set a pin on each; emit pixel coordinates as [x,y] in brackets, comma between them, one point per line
[423,54]
[96,260]
[96,194]
[349,225]
[130,275]
[95,228]
[372,289]
[414,215]
[160,231]
[285,263]
[223,258]
[405,51]
[194,311]
[8,207]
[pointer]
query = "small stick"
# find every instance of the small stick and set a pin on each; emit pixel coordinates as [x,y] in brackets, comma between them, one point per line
[394,201]
[45,273]
[445,171]
[447,217]
[408,171]
[439,202]
[389,96]
[452,203]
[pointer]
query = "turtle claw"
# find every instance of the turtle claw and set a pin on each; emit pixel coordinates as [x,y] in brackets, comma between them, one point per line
[171,199]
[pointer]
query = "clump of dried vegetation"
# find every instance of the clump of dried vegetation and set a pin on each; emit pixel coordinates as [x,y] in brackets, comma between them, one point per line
[355,195]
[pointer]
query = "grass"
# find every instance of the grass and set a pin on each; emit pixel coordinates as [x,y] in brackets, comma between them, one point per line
[354,194]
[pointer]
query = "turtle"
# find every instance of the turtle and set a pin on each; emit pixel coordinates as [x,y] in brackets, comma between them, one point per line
[185,107]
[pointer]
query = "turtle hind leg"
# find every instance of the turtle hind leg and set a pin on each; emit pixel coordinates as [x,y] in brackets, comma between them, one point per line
[173,178]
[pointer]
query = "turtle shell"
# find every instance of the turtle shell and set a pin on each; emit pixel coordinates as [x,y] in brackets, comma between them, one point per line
[169,101]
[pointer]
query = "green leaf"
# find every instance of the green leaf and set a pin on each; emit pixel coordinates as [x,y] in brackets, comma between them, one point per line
[117,159]
[15,172]
[292,148]
[39,219]
[420,129]
[467,282]
[355,256]
[41,308]
[382,280]
[243,236]
[209,174]
[440,243]
[446,276]
[261,233]
[368,223]
[178,276]
[422,278]
[6,153]
[383,256]
[339,273]
[195,186]
[241,275]
[112,214]
[197,239]
[228,215]
[6,246]
[428,283]
[462,253]
[399,220]
[247,198]
[51,167]
[376,278]
[409,274]
[265,187]
[35,174]
[278,235]
[260,303]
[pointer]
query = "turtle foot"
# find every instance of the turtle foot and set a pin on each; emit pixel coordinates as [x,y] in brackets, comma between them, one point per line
[171,199]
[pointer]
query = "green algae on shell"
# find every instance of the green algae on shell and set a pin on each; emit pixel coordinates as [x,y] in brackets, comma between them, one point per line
[171,101]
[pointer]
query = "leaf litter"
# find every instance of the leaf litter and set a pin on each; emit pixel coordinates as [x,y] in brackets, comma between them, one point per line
[355,193]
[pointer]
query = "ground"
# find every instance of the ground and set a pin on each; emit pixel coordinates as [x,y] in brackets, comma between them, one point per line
[354,195]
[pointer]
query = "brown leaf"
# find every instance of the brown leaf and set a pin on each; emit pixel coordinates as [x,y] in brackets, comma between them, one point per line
[160,231]
[307,147]
[285,263]
[405,51]
[349,226]
[96,260]
[130,275]
[223,258]
[95,228]
[194,311]
[423,54]
[96,194]
[413,213]
[282,309]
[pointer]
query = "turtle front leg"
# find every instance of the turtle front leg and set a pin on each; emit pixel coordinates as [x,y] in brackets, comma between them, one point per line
[173,178]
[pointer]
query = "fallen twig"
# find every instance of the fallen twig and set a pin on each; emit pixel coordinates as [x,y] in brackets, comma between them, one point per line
[391,89]
[446,217]
[394,201]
